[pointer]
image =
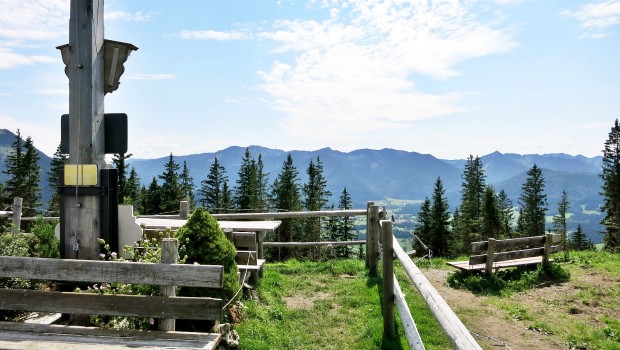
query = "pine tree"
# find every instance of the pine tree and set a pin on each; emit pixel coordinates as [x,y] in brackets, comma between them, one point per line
[559,221]
[227,202]
[211,189]
[24,174]
[440,221]
[120,161]
[611,189]
[247,189]
[132,188]
[506,215]
[152,198]
[472,193]
[579,240]
[423,231]
[533,202]
[262,185]
[286,196]
[54,180]
[316,197]
[491,221]
[187,185]
[171,191]
[15,184]
[345,224]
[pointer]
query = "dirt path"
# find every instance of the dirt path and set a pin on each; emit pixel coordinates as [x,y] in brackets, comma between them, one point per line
[494,327]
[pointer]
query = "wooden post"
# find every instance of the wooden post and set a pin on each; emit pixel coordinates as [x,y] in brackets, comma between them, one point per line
[184,210]
[260,238]
[16,219]
[81,218]
[229,234]
[490,256]
[368,205]
[373,240]
[547,249]
[388,279]
[169,255]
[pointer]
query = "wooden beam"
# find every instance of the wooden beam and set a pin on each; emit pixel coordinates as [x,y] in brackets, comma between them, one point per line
[389,329]
[209,276]
[111,304]
[411,331]
[245,240]
[513,243]
[289,214]
[516,254]
[311,244]
[247,257]
[169,255]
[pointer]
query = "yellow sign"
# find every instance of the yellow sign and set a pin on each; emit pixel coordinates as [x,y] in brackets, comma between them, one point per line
[80,175]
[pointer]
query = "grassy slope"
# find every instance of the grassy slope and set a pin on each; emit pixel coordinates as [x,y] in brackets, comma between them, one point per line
[328,305]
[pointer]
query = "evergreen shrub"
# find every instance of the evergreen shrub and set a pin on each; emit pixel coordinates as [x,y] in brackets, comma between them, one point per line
[202,241]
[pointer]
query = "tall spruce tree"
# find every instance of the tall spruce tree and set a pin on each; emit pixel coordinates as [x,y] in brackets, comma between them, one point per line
[286,196]
[262,186]
[506,215]
[491,220]
[316,196]
[171,190]
[120,161]
[346,225]
[211,189]
[579,240]
[152,198]
[440,222]
[246,190]
[560,220]
[533,202]
[132,188]
[53,179]
[611,189]
[24,174]
[471,208]
[186,182]
[424,229]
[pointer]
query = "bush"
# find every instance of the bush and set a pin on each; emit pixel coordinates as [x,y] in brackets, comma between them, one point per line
[46,244]
[202,241]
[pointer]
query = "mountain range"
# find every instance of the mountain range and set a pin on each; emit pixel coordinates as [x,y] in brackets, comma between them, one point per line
[393,174]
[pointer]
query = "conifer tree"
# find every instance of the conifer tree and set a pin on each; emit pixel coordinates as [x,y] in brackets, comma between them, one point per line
[120,161]
[505,215]
[316,197]
[286,196]
[53,179]
[491,221]
[171,190]
[227,202]
[533,202]
[133,193]
[152,198]
[423,231]
[262,185]
[611,189]
[187,185]
[211,189]
[24,174]
[440,221]
[559,222]
[14,161]
[247,189]
[346,225]
[472,193]
[579,240]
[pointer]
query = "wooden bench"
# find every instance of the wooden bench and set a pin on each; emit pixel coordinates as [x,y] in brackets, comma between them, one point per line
[503,253]
[166,307]
[248,262]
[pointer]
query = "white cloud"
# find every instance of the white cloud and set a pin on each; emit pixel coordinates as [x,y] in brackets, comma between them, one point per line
[151,76]
[138,16]
[355,72]
[596,16]
[11,59]
[213,35]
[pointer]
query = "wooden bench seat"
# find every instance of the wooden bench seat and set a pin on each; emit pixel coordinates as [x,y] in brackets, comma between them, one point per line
[526,251]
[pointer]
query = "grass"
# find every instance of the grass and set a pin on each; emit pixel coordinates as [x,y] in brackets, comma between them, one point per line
[328,305]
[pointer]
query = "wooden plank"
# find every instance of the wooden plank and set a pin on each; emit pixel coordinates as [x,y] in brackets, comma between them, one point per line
[169,255]
[245,240]
[209,276]
[512,255]
[389,329]
[247,257]
[411,331]
[18,336]
[258,266]
[465,266]
[311,244]
[112,305]
[289,214]
[455,330]
[513,243]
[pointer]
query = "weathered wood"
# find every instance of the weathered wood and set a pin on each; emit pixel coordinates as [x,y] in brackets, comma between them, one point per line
[465,266]
[289,214]
[311,244]
[455,330]
[246,257]
[260,238]
[107,271]
[411,330]
[490,257]
[547,249]
[111,304]
[24,336]
[513,243]
[16,218]
[255,271]
[245,240]
[373,231]
[169,255]
[512,255]
[389,329]
[183,210]
[368,205]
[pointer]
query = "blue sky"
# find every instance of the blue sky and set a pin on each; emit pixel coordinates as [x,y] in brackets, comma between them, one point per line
[449,78]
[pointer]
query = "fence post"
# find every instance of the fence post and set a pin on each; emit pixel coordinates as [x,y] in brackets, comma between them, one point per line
[547,249]
[490,256]
[184,210]
[388,279]
[373,240]
[169,255]
[368,205]
[16,219]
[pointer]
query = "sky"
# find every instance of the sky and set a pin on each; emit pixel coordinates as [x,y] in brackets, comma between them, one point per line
[448,78]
